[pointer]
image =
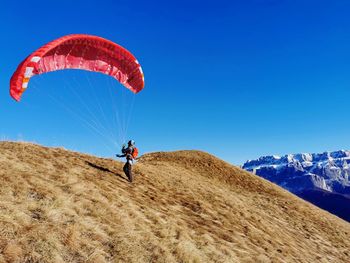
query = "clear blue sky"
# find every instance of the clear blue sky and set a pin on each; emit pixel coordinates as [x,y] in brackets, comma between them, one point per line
[238,79]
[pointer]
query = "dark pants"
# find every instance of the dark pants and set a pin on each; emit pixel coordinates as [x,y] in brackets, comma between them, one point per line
[127,170]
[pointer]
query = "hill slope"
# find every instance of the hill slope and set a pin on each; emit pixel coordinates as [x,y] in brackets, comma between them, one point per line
[187,206]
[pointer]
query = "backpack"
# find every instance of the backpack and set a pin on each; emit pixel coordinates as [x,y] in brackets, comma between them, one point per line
[135,153]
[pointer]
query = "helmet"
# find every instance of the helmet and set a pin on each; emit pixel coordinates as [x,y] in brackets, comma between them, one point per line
[131,143]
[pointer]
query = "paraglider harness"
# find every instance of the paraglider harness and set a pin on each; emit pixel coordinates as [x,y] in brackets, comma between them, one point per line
[130,152]
[135,153]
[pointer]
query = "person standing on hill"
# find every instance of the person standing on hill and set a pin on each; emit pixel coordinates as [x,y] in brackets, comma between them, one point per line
[130,152]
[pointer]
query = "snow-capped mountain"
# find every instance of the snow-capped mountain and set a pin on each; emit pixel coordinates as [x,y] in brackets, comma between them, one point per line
[325,175]
[329,171]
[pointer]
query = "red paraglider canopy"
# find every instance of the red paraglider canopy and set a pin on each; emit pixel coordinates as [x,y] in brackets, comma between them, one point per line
[79,51]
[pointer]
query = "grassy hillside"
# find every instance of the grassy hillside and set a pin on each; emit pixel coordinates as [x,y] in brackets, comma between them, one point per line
[186,206]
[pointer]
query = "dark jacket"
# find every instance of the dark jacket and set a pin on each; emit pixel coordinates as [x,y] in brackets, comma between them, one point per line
[127,152]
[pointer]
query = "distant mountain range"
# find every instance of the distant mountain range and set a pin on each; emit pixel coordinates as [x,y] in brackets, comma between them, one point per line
[322,178]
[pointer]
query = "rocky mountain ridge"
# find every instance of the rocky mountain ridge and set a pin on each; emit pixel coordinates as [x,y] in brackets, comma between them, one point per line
[325,175]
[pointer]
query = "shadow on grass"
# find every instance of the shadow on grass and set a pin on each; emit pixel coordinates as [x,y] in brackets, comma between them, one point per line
[104,169]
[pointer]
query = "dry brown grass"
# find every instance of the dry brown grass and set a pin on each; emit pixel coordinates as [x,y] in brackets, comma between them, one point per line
[187,206]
